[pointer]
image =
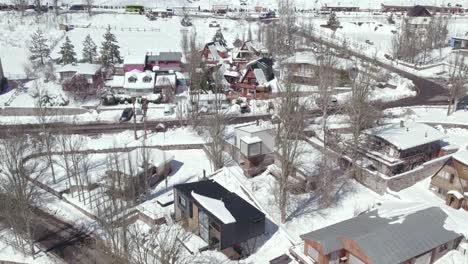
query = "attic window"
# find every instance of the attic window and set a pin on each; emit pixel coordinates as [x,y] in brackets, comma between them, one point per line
[132,79]
[147,79]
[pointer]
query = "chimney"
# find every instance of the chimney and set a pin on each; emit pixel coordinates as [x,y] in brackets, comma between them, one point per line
[258,122]
[2,75]
[425,134]
[402,123]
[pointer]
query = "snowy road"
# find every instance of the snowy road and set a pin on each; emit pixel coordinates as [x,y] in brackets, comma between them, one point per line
[429,92]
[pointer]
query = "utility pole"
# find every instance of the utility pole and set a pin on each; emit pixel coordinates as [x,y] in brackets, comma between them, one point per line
[134,118]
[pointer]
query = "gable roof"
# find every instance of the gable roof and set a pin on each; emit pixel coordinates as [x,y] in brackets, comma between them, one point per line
[388,240]
[419,11]
[81,68]
[264,64]
[409,136]
[240,210]
[461,156]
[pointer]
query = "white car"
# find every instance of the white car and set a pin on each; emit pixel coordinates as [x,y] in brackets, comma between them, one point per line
[214,24]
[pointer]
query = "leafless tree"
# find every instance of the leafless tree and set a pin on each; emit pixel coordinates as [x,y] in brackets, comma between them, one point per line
[286,28]
[290,114]
[18,193]
[216,124]
[44,114]
[89,6]
[361,112]
[21,5]
[458,79]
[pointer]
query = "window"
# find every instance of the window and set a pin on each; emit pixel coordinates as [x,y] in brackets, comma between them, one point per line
[132,79]
[312,252]
[147,79]
[255,149]
[182,202]
[451,178]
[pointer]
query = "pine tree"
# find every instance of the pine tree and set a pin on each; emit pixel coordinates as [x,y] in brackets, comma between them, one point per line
[67,51]
[390,19]
[110,53]
[219,37]
[39,49]
[89,50]
[333,20]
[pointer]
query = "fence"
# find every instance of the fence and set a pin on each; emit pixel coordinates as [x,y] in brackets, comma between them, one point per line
[118,28]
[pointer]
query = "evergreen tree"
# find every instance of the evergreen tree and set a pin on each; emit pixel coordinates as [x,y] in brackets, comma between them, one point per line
[333,20]
[249,34]
[39,49]
[219,37]
[89,50]
[110,53]
[67,51]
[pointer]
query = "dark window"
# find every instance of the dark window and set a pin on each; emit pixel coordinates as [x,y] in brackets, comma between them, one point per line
[182,202]
[215,226]
[452,177]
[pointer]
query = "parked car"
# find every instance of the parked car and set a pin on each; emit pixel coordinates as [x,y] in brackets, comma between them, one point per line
[109,99]
[463,104]
[369,42]
[127,115]
[214,23]
[77,8]
[244,108]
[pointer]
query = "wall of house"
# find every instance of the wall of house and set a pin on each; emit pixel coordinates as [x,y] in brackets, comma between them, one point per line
[353,248]
[240,231]
[441,250]
[322,259]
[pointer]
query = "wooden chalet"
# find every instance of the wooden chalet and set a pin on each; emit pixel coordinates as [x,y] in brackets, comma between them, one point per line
[214,52]
[254,82]
[451,181]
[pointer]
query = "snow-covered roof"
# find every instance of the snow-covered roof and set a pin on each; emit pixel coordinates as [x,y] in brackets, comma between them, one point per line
[139,76]
[253,128]
[155,157]
[81,68]
[134,59]
[455,193]
[410,135]
[117,81]
[251,140]
[216,207]
[308,57]
[260,76]
[214,52]
[461,156]
[166,79]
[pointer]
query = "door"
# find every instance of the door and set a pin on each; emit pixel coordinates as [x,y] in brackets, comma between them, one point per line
[204,226]
[424,259]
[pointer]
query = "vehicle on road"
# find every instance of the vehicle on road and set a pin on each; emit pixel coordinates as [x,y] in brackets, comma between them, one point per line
[77,8]
[135,9]
[127,115]
[268,15]
[213,24]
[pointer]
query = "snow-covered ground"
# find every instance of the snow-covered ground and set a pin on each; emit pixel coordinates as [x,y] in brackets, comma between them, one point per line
[8,252]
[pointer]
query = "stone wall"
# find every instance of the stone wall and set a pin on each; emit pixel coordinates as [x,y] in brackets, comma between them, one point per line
[407,179]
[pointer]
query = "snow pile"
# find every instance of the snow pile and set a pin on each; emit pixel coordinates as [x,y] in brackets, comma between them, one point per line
[216,207]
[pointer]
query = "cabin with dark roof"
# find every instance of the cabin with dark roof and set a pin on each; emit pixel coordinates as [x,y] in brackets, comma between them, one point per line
[220,217]
[371,238]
